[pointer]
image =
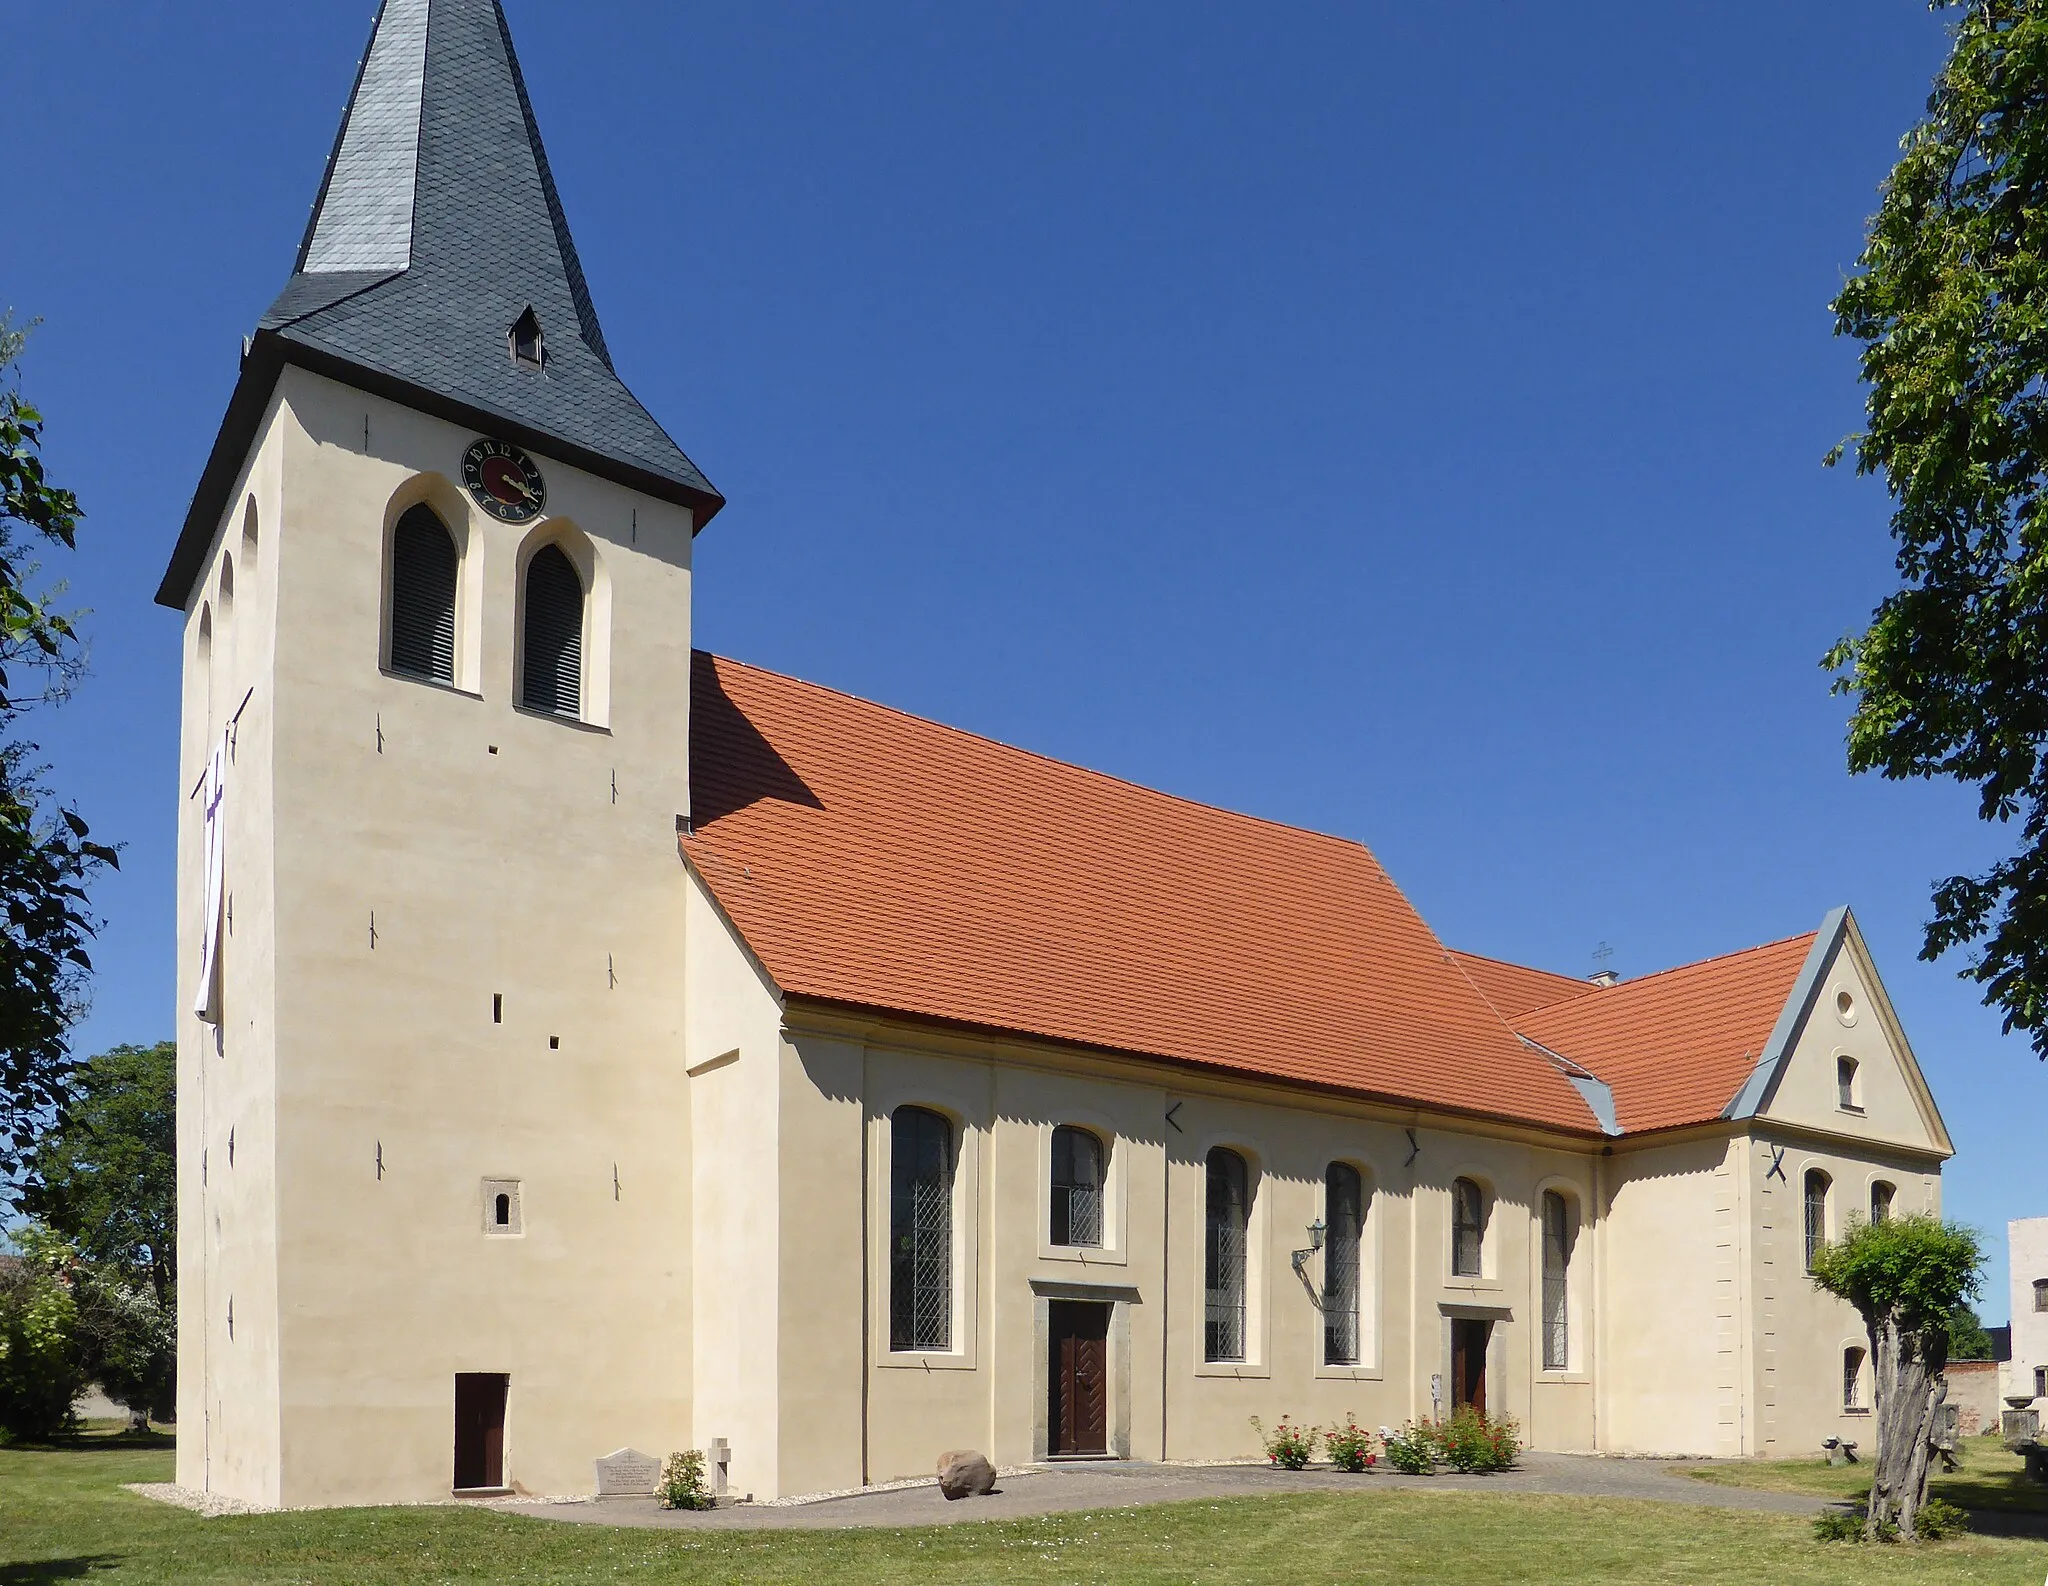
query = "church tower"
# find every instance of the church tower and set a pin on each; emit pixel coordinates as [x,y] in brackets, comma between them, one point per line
[433,1177]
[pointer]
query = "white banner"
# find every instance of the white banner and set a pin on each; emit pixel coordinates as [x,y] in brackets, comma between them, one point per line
[207,1001]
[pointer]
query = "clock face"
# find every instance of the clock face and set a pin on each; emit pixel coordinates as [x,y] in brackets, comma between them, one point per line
[504,481]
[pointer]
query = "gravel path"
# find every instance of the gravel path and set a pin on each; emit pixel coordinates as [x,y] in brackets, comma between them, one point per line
[1054,1489]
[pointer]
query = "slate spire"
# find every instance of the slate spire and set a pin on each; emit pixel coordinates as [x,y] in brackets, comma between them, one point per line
[437,227]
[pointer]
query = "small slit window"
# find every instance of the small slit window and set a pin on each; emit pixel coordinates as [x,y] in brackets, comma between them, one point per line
[501,1208]
[423,569]
[1468,1228]
[1076,1188]
[1847,1096]
[552,670]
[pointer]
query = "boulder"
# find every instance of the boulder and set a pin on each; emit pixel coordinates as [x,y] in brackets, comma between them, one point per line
[965,1474]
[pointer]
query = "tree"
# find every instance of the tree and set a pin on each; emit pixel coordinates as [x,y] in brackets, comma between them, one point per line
[1950,301]
[1906,1276]
[47,854]
[1967,1339]
[41,1372]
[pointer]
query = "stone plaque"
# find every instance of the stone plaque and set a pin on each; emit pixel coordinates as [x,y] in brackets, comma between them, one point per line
[627,1473]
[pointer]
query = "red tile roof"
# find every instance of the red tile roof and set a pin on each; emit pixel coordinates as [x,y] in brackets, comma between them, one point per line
[1676,1046]
[1514,989]
[876,859]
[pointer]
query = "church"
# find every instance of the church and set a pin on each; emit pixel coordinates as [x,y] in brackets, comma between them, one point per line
[589,1042]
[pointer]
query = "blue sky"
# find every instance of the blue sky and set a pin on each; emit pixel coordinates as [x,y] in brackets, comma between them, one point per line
[1401,422]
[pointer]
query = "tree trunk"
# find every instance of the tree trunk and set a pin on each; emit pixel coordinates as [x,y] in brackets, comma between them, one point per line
[1910,1391]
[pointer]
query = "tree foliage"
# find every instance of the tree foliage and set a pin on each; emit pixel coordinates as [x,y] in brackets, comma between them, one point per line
[47,855]
[1906,1276]
[1950,302]
[41,1369]
[1967,1338]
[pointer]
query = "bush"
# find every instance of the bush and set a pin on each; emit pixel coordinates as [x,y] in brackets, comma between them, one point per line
[1938,1520]
[1289,1447]
[682,1482]
[1838,1525]
[1350,1447]
[41,1370]
[1412,1450]
[1473,1445]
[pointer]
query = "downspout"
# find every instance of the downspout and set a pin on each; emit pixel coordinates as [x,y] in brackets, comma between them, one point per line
[1165,1279]
[867,1293]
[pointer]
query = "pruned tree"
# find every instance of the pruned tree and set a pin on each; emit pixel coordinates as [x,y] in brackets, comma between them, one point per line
[1906,1276]
[1950,302]
[47,855]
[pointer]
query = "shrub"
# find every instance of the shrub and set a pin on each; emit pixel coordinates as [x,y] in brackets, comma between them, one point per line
[1937,1520]
[1474,1445]
[41,1371]
[1412,1450]
[1838,1525]
[682,1482]
[1290,1447]
[1350,1447]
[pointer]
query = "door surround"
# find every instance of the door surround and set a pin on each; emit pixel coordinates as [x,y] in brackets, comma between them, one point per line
[1119,1298]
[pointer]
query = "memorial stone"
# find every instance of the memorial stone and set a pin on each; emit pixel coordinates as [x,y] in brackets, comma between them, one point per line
[627,1473]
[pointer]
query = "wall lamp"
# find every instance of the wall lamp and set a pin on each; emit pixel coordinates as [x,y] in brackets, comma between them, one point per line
[1316,1230]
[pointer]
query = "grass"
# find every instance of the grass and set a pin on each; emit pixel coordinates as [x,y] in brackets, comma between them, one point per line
[1991,1479]
[63,1517]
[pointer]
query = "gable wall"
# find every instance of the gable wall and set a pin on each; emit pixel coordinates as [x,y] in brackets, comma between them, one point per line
[1805,1093]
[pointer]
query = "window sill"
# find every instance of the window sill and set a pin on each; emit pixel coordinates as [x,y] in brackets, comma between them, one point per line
[576,722]
[1084,1255]
[438,687]
[1331,1373]
[1564,1378]
[923,1360]
[1471,1285]
[1248,1369]
[1854,1112]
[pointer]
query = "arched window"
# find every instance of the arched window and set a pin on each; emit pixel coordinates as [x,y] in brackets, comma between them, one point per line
[1845,1084]
[552,677]
[1816,1214]
[1076,1187]
[1560,1233]
[1852,1379]
[501,1210]
[1468,1228]
[1344,1212]
[423,567]
[1881,1195]
[1224,1255]
[920,1228]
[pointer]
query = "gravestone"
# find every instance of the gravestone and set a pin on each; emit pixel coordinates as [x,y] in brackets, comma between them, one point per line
[627,1473]
[2020,1428]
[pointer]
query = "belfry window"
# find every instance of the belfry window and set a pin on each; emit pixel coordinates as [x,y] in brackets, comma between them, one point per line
[1225,1250]
[1560,1233]
[528,348]
[1076,1187]
[551,672]
[1344,1212]
[423,572]
[1817,1184]
[920,1230]
[1468,1228]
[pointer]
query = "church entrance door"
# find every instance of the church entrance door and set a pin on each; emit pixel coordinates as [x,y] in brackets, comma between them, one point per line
[479,1430]
[1077,1418]
[1469,1339]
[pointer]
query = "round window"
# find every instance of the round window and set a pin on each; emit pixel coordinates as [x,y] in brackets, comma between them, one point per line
[1845,1007]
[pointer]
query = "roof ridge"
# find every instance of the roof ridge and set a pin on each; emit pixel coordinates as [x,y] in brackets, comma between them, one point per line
[1068,765]
[1534,969]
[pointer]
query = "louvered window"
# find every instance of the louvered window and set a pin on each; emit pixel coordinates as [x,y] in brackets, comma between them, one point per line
[1468,1228]
[1076,1187]
[1560,1233]
[1227,1245]
[553,671]
[423,567]
[920,1230]
[1344,1212]
[1816,1214]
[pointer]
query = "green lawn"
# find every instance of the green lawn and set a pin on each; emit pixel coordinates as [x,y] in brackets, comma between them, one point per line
[1990,1478]
[63,1517]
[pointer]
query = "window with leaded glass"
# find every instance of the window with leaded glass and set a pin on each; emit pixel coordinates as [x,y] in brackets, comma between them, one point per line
[1816,1214]
[1468,1228]
[1076,1187]
[1881,1201]
[1226,1247]
[920,1230]
[1344,1213]
[1560,1233]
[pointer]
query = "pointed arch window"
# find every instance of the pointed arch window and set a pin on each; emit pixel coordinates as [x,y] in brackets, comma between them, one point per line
[1076,1187]
[920,1229]
[423,570]
[1817,1185]
[1344,1213]
[1468,1228]
[551,677]
[1560,1233]
[1226,1249]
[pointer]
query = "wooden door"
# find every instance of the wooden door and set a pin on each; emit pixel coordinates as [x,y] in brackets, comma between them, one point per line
[479,1429]
[1469,1339]
[1077,1420]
